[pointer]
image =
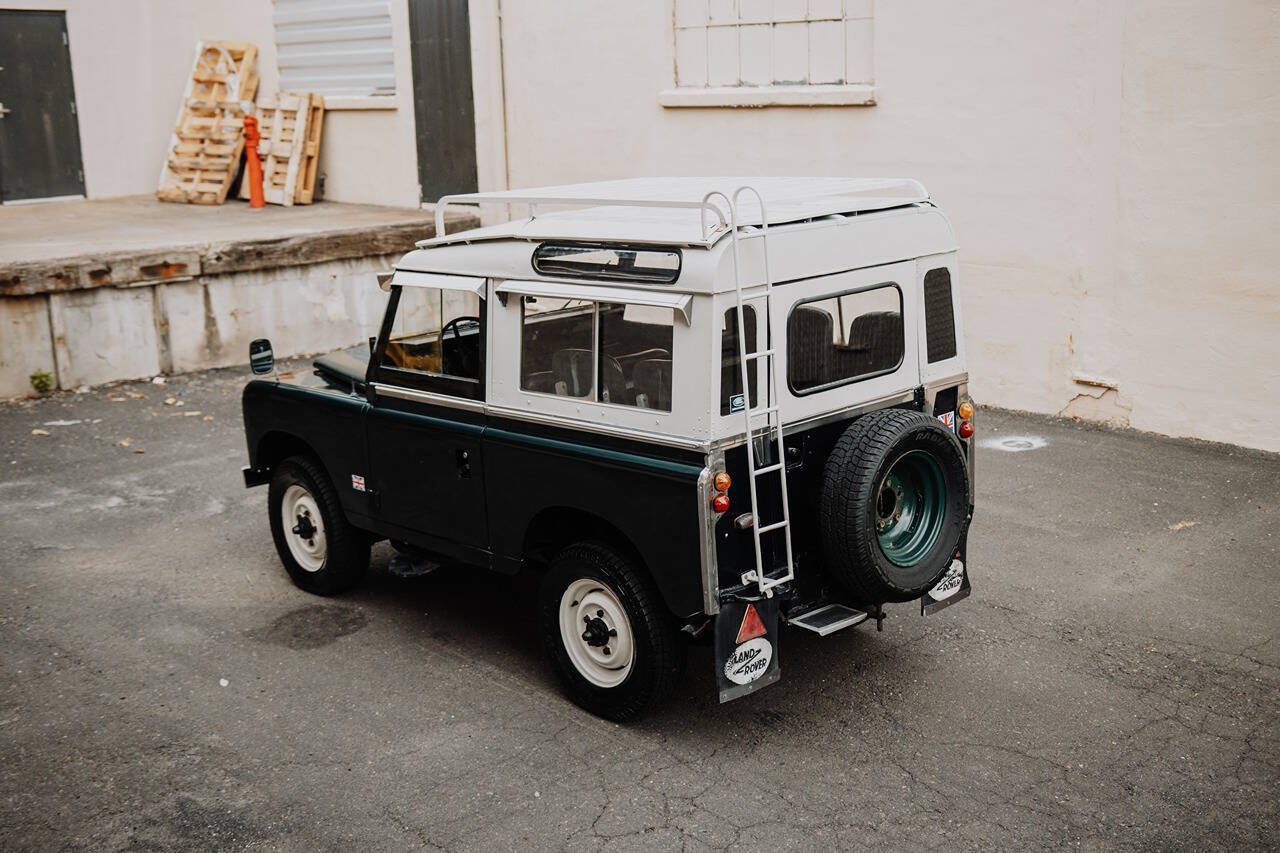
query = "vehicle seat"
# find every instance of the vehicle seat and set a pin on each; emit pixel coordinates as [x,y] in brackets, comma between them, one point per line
[571,372]
[652,380]
[877,337]
[809,347]
[614,388]
[412,356]
[542,382]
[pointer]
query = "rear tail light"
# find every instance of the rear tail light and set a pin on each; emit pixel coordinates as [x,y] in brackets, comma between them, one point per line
[719,500]
[965,410]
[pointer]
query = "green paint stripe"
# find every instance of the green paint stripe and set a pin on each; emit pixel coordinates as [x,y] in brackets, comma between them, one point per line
[430,420]
[631,459]
[634,460]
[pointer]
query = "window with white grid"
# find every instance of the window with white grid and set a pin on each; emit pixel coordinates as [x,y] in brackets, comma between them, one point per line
[762,52]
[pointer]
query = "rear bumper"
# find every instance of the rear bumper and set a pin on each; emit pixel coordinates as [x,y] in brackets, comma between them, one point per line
[747,634]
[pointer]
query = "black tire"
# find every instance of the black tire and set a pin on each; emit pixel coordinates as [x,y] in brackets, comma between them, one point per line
[659,650]
[346,552]
[854,474]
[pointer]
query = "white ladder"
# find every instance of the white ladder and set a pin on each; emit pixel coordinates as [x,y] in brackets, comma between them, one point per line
[770,429]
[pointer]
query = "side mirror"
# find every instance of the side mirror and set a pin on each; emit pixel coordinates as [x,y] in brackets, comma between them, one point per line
[261,359]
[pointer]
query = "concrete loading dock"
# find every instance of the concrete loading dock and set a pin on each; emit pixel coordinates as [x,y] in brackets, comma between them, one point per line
[97,291]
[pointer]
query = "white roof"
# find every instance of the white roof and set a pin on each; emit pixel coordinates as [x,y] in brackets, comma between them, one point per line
[676,211]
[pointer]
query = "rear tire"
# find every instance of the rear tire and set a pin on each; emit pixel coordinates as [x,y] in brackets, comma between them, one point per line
[607,633]
[322,551]
[895,502]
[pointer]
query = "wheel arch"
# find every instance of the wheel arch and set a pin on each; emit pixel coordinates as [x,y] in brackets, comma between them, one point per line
[554,528]
[275,446]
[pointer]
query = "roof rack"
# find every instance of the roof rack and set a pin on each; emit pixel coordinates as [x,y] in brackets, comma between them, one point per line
[790,199]
[508,197]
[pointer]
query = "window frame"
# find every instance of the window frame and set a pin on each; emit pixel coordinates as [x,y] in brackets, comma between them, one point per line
[855,87]
[434,383]
[862,377]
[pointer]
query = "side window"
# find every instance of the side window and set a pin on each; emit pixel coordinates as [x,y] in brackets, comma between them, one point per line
[939,315]
[611,352]
[436,332]
[635,356]
[731,399]
[555,345]
[842,338]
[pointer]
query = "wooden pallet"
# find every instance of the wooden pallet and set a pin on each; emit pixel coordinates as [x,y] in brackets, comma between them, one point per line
[290,124]
[311,151]
[208,136]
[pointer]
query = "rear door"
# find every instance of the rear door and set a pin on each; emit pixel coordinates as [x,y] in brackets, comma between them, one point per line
[39,132]
[427,421]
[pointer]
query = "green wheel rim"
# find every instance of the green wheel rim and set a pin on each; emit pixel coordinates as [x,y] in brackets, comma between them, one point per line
[910,506]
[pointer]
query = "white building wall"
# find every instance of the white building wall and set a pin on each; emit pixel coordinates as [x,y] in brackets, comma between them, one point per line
[1109,169]
[130,60]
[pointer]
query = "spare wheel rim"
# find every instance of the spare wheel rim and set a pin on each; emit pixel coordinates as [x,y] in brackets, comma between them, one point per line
[304,528]
[911,505]
[596,633]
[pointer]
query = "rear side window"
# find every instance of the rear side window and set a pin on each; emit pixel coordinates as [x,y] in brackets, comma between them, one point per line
[939,318]
[839,339]
[731,396]
[610,352]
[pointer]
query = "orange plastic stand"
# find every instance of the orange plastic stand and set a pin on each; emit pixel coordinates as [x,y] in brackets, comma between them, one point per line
[251,137]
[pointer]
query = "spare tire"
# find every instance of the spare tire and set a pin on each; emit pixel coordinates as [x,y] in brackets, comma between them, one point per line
[895,502]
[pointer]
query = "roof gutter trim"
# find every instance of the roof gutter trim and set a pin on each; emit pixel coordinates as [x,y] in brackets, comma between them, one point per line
[682,302]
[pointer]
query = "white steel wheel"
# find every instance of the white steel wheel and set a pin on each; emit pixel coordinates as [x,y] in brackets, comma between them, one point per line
[596,633]
[304,528]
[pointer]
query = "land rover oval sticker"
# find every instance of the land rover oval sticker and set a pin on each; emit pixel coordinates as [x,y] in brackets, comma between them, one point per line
[749,661]
[950,582]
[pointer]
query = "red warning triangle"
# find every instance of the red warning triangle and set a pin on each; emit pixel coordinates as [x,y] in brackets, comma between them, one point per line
[752,626]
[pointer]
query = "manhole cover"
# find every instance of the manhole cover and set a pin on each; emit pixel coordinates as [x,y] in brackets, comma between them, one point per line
[1014,443]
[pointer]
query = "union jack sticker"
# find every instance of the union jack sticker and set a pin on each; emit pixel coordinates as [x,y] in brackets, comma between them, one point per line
[357,482]
[948,420]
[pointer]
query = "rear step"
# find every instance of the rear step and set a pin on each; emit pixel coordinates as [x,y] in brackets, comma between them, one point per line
[828,619]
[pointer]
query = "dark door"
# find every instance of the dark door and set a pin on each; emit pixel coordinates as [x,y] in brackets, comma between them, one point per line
[444,110]
[39,134]
[426,425]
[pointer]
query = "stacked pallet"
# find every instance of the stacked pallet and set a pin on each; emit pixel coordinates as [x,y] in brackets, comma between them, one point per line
[290,124]
[208,137]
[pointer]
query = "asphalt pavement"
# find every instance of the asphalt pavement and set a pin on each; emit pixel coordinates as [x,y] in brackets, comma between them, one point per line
[1112,683]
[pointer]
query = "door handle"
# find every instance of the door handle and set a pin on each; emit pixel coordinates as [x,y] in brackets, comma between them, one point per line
[4,111]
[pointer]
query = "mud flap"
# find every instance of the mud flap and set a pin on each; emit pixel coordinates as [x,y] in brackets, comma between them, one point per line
[953,587]
[746,647]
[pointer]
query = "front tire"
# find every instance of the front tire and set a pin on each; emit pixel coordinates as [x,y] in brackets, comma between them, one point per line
[607,633]
[322,551]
